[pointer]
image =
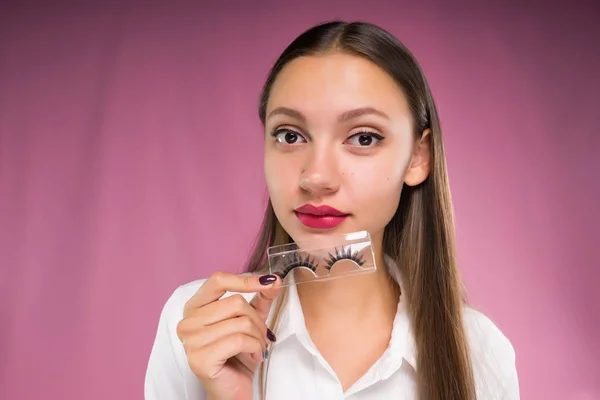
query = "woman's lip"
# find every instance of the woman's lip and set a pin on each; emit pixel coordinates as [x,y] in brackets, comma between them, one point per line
[320,221]
[323,210]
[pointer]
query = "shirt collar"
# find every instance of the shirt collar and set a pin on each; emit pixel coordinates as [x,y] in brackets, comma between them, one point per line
[292,319]
[401,345]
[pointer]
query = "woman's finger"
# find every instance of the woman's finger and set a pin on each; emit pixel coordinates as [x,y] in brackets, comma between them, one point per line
[222,282]
[207,361]
[210,334]
[231,307]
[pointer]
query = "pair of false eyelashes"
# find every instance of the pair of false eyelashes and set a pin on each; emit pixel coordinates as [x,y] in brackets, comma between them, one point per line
[299,261]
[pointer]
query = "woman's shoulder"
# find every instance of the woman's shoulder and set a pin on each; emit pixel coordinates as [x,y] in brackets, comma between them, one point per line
[492,355]
[483,330]
[484,334]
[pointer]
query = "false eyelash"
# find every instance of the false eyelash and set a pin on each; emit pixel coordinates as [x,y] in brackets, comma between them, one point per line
[344,254]
[297,261]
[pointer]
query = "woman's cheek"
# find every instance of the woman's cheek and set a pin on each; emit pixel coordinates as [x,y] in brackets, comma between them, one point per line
[280,180]
[379,187]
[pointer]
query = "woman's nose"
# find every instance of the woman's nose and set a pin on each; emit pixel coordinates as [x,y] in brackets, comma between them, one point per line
[320,174]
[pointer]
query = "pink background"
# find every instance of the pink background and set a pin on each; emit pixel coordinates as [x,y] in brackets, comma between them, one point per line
[131,163]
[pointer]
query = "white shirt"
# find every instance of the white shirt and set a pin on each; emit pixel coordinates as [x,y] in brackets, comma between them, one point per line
[298,372]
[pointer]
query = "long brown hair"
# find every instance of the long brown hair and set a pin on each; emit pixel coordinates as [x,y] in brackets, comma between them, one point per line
[420,236]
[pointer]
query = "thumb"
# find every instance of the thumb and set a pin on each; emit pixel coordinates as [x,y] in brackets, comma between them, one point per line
[263,300]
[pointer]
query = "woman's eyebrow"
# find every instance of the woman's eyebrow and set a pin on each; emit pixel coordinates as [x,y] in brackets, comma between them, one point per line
[359,112]
[289,112]
[344,117]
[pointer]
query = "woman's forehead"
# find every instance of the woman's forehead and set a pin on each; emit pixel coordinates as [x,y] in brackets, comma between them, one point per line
[336,83]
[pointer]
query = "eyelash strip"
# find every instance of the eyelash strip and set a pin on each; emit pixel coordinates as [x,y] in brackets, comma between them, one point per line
[299,261]
[344,254]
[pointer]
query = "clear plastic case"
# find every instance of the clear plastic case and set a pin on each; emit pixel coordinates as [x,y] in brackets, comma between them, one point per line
[326,258]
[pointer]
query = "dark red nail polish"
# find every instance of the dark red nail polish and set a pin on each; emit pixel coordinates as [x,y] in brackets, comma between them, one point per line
[271,335]
[267,279]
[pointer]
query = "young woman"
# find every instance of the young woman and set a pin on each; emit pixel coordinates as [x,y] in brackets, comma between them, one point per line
[350,124]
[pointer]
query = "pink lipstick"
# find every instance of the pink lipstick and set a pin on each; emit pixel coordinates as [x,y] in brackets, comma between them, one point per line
[321,217]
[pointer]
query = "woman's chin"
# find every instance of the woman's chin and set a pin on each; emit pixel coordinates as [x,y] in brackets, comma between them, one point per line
[300,232]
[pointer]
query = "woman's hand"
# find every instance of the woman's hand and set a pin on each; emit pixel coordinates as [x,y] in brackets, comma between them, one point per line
[225,340]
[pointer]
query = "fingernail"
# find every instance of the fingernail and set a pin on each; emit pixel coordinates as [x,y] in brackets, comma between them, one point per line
[267,279]
[271,335]
[266,354]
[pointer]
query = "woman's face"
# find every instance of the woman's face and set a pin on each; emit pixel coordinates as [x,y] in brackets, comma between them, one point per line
[338,134]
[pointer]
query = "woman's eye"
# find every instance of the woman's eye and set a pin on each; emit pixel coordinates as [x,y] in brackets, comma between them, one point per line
[365,139]
[287,136]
